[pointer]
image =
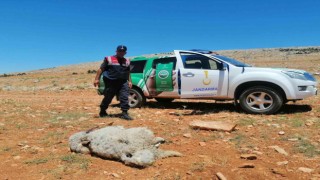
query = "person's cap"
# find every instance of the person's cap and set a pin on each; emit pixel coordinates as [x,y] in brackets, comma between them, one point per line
[122,48]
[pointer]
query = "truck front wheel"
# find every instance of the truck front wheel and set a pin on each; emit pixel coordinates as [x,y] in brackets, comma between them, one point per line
[136,98]
[260,100]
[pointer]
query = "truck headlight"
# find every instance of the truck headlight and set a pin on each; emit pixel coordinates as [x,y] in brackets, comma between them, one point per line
[295,75]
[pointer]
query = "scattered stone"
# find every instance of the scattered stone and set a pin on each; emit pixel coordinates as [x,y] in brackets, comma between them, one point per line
[305,170]
[82,119]
[247,165]
[202,144]
[248,156]
[36,148]
[279,150]
[282,163]
[257,152]
[281,132]
[173,113]
[293,139]
[213,125]
[59,118]
[275,125]
[187,135]
[220,176]
[115,175]
[279,172]
[23,143]
[136,147]
[17,157]
[110,123]
[1,124]
[309,123]
[25,147]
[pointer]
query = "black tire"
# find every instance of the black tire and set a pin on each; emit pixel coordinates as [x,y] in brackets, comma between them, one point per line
[260,100]
[136,98]
[164,100]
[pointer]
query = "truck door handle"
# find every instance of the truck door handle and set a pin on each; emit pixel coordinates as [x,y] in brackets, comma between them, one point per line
[188,74]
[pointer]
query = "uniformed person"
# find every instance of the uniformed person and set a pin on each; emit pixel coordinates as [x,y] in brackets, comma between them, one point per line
[116,76]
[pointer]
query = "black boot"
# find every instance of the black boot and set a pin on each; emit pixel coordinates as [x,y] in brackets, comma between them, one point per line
[103,113]
[126,116]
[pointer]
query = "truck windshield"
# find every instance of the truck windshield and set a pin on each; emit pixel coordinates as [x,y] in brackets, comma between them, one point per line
[231,61]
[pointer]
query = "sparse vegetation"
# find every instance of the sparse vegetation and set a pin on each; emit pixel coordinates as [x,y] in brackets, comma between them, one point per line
[76,159]
[198,166]
[41,109]
[37,161]
[307,148]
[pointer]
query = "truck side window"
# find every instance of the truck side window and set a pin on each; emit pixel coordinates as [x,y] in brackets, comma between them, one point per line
[196,61]
[137,66]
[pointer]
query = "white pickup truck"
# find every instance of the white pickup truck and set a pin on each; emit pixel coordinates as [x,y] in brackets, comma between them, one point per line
[206,75]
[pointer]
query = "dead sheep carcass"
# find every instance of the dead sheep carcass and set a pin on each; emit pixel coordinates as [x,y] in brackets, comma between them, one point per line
[134,146]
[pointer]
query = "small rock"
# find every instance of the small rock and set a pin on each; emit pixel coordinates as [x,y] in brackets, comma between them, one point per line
[282,163]
[213,125]
[172,113]
[247,165]
[257,152]
[279,172]
[1,124]
[275,125]
[16,157]
[110,123]
[248,156]
[309,123]
[220,176]
[281,132]
[59,118]
[305,170]
[250,126]
[293,139]
[279,150]
[25,147]
[187,135]
[115,175]
[82,119]
[202,143]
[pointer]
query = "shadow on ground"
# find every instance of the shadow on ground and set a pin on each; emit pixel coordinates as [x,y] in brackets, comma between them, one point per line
[200,108]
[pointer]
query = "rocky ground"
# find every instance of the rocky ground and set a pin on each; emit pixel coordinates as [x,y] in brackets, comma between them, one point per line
[39,111]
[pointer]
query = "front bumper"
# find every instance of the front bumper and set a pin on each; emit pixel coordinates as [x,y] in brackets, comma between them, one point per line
[307,92]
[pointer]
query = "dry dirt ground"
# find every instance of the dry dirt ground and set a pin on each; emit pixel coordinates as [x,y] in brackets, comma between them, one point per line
[40,110]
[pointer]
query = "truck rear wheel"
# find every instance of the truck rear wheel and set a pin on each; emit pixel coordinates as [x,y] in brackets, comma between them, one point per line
[260,100]
[136,98]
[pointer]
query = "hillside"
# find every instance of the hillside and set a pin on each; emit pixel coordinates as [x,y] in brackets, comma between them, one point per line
[41,109]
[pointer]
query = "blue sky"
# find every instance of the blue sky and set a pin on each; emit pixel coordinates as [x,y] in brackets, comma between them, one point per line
[38,34]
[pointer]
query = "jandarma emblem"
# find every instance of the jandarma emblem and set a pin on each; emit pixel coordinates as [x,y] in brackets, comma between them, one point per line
[206,80]
[163,74]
